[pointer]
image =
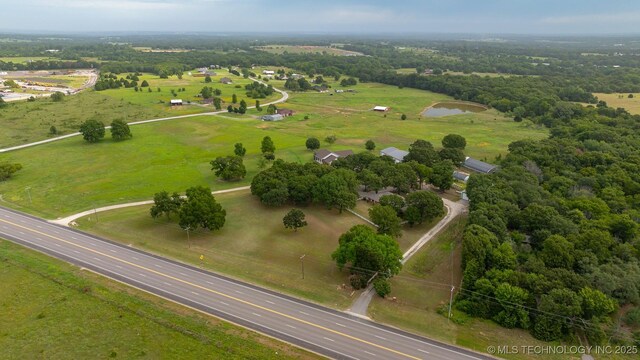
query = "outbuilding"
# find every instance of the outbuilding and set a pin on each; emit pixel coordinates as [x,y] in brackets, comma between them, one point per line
[460,176]
[381,108]
[396,154]
[176,102]
[479,166]
[274,117]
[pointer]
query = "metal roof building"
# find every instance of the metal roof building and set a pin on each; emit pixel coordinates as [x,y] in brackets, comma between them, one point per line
[397,154]
[479,166]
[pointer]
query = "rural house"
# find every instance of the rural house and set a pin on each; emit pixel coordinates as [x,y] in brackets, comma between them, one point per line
[479,166]
[274,117]
[324,156]
[395,153]
[285,112]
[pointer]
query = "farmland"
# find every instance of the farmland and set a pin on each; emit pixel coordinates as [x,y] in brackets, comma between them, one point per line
[71,175]
[632,105]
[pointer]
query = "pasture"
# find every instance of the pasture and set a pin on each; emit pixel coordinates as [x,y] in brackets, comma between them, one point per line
[632,105]
[253,244]
[71,175]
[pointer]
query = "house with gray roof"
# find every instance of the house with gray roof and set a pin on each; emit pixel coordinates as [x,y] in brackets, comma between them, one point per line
[479,166]
[395,153]
[324,156]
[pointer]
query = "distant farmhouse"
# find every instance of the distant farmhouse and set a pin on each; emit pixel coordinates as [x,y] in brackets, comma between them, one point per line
[396,154]
[226,80]
[324,156]
[381,108]
[479,166]
[274,117]
[285,112]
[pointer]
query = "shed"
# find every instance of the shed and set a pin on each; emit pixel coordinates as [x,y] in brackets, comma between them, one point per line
[176,102]
[395,153]
[268,72]
[274,117]
[460,176]
[381,108]
[479,166]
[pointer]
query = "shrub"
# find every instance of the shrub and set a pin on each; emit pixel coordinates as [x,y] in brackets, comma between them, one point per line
[382,286]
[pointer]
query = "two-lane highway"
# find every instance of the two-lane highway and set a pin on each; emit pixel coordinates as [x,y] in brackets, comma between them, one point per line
[325,331]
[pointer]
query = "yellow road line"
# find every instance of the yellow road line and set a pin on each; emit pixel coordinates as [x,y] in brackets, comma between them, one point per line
[216,292]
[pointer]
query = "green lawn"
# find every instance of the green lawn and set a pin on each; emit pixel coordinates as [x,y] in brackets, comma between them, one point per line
[252,245]
[52,310]
[70,175]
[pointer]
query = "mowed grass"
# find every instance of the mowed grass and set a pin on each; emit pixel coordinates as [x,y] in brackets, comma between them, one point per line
[253,245]
[616,100]
[70,175]
[23,122]
[52,310]
[192,85]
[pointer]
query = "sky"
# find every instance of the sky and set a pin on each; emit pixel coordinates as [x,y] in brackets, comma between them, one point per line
[324,16]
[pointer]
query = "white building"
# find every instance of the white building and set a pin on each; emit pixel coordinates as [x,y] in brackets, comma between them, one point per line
[268,72]
[396,154]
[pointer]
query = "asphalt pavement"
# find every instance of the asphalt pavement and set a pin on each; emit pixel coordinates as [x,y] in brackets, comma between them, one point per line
[332,333]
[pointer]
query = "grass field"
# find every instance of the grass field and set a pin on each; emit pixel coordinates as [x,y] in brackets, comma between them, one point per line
[70,175]
[24,122]
[252,245]
[52,310]
[615,101]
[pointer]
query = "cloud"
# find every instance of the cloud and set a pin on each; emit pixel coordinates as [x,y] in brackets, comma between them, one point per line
[115,5]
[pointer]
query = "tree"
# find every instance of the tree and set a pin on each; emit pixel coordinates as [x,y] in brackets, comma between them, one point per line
[230,108]
[57,96]
[267,145]
[422,152]
[229,168]
[337,190]
[207,79]
[313,143]
[456,156]
[557,252]
[382,286]
[512,300]
[370,180]
[595,303]
[394,201]
[165,204]
[92,130]
[442,175]
[3,103]
[271,109]
[454,141]
[387,220]
[201,210]
[365,250]
[120,130]
[269,156]
[403,117]
[234,99]
[239,150]
[144,83]
[258,107]
[243,107]
[8,169]
[370,145]
[427,205]
[330,139]
[53,130]
[294,219]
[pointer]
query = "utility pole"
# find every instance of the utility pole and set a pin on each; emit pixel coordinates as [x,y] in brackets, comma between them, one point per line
[302,263]
[28,188]
[188,238]
[450,301]
[95,212]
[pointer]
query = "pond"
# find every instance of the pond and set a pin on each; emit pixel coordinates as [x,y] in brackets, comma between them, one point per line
[452,108]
